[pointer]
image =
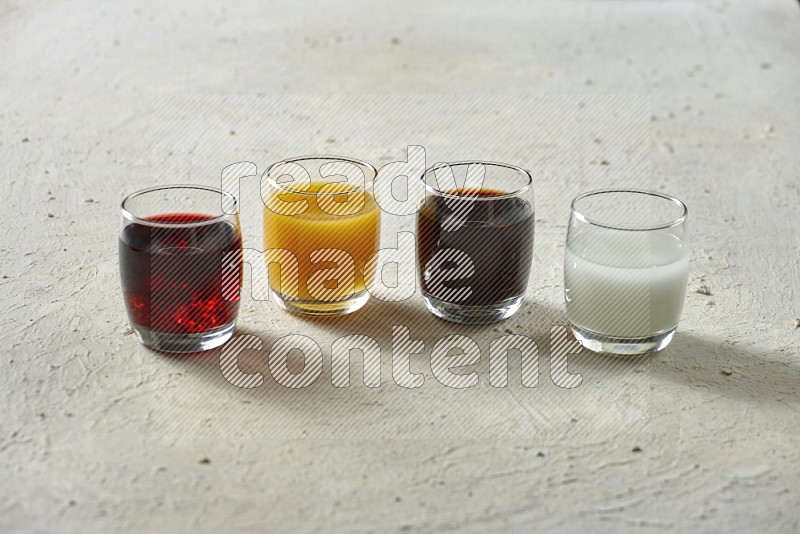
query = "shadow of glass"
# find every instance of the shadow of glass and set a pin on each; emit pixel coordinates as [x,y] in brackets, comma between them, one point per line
[378,318]
[322,410]
[207,368]
[729,369]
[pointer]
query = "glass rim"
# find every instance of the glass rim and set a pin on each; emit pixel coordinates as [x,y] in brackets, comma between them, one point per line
[330,157]
[127,214]
[511,194]
[675,222]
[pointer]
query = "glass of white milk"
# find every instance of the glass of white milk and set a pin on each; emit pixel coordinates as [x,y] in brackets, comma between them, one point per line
[626,267]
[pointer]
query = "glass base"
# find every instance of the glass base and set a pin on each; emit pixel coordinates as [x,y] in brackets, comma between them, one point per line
[316,308]
[171,342]
[459,313]
[623,346]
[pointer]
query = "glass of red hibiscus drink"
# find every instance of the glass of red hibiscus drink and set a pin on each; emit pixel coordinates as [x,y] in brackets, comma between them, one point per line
[180,262]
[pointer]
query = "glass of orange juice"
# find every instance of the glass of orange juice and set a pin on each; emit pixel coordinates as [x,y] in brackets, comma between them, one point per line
[321,233]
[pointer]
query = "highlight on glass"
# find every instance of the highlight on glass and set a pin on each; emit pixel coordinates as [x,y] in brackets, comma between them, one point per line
[475,240]
[626,267]
[180,264]
[322,229]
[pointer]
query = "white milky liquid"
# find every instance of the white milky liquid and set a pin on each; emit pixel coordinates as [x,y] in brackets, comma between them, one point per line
[625,284]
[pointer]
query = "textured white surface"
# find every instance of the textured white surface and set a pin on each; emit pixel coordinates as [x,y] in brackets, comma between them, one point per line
[99,435]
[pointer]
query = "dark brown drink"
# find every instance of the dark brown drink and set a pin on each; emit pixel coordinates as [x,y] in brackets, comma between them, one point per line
[491,227]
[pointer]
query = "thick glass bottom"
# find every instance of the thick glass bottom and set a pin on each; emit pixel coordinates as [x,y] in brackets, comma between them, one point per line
[459,313]
[622,346]
[172,342]
[316,308]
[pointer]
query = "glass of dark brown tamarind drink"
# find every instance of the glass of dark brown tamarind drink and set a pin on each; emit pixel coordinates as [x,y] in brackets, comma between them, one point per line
[475,240]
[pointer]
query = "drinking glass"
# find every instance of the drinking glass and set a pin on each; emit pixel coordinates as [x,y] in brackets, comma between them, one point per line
[180,264]
[475,240]
[322,229]
[626,267]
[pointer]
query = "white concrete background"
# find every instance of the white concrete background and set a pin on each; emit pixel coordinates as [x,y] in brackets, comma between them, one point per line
[99,435]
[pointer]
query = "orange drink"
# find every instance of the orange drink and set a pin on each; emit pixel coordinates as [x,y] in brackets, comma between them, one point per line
[320,233]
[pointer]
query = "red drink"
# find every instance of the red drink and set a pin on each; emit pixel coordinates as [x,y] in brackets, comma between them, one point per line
[181,279]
